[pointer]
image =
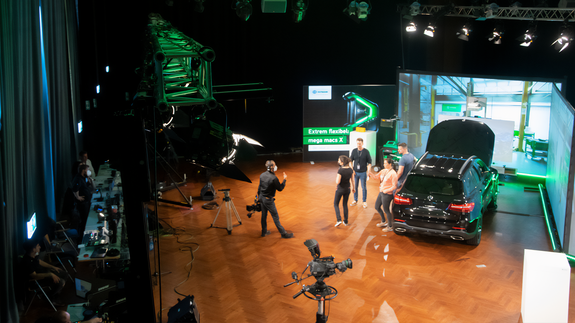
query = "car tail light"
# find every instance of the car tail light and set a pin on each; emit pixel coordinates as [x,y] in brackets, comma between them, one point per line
[465,208]
[398,200]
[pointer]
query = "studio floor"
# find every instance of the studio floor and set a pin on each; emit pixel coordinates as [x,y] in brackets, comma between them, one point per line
[240,277]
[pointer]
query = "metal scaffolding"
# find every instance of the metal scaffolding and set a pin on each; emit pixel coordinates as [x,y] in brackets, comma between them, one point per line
[182,67]
[502,13]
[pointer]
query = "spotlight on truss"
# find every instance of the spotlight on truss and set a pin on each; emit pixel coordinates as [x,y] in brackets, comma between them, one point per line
[429,31]
[463,33]
[496,35]
[243,9]
[358,10]
[299,8]
[529,36]
[564,39]
[411,27]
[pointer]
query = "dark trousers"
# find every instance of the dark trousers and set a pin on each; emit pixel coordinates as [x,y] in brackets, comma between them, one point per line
[268,204]
[83,209]
[339,193]
[383,201]
[55,288]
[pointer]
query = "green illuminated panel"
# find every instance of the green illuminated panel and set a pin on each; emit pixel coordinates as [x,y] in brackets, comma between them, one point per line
[324,140]
[326,131]
[451,107]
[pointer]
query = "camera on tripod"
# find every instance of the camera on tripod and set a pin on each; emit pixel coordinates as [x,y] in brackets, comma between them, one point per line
[256,207]
[320,268]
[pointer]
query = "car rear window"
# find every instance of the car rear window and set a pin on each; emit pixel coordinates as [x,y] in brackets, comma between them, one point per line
[433,185]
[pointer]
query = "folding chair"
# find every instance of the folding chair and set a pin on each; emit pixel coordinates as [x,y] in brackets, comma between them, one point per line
[55,248]
[35,287]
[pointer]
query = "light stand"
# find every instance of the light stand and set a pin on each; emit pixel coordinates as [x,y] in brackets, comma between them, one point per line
[188,202]
[230,207]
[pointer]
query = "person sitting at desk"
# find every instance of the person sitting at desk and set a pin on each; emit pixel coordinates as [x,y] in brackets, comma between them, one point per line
[36,269]
[82,187]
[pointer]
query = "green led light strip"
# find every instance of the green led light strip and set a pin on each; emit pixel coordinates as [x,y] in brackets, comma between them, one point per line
[531,175]
[553,242]
[570,257]
[371,114]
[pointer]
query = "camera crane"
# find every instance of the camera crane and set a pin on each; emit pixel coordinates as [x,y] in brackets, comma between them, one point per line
[320,268]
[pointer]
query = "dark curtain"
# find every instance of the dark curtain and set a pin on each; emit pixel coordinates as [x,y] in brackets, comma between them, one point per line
[38,98]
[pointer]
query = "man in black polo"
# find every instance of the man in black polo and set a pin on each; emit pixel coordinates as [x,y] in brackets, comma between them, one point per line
[82,187]
[269,183]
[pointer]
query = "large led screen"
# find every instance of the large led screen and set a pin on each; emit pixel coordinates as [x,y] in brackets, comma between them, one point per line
[335,116]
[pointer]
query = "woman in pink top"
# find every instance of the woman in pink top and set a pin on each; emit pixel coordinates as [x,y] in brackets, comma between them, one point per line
[387,187]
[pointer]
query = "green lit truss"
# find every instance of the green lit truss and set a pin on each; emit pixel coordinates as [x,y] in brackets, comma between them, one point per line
[182,67]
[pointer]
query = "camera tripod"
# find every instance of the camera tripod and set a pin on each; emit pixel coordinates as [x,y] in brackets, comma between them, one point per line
[319,292]
[230,207]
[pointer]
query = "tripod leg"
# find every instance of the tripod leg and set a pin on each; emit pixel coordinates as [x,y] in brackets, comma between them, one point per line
[236,212]
[211,226]
[229,217]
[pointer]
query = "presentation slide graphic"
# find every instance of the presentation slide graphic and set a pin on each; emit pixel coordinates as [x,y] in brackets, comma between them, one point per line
[332,113]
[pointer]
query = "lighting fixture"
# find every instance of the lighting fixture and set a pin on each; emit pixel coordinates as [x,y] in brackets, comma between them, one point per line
[530,35]
[411,27]
[564,39]
[496,35]
[243,9]
[414,9]
[299,8]
[463,33]
[429,31]
[358,10]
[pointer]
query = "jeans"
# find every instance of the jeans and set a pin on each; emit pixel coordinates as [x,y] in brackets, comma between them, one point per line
[268,204]
[363,178]
[339,193]
[383,201]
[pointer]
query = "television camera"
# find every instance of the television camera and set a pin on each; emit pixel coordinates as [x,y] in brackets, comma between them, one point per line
[256,207]
[320,268]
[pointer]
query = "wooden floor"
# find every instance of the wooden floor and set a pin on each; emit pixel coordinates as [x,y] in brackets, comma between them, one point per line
[240,277]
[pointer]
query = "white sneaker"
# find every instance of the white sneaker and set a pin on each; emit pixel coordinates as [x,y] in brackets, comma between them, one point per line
[387,229]
[345,224]
[381,224]
[338,223]
[365,205]
[353,203]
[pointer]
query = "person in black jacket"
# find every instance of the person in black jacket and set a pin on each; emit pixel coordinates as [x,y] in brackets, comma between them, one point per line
[269,184]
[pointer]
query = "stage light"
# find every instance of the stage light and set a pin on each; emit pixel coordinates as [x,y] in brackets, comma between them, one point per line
[530,35]
[244,9]
[496,35]
[97,89]
[414,9]
[107,69]
[299,8]
[411,27]
[199,6]
[429,31]
[358,10]
[463,33]
[564,39]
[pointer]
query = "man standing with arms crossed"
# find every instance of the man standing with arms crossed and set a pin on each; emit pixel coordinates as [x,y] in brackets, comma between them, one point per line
[405,164]
[361,165]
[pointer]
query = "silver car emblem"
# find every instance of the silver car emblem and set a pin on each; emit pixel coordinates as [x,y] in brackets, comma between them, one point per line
[430,197]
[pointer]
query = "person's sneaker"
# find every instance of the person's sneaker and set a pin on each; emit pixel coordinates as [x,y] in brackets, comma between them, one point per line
[353,203]
[381,224]
[365,205]
[266,233]
[287,235]
[387,229]
[338,223]
[346,224]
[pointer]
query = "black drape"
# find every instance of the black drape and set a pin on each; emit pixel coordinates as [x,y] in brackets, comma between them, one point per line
[37,138]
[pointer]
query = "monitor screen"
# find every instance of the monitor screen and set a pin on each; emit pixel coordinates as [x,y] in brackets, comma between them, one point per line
[82,287]
[31,226]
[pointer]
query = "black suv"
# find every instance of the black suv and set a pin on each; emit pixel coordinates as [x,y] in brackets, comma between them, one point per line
[450,187]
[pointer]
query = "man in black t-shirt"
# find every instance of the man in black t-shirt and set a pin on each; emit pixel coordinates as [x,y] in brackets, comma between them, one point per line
[361,165]
[82,187]
[32,268]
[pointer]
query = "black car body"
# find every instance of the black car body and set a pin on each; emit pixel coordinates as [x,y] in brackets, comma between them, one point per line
[450,187]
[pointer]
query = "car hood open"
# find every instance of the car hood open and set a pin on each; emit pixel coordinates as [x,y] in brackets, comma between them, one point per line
[465,137]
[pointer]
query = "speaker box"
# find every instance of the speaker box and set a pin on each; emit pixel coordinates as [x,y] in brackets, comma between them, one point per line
[274,6]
